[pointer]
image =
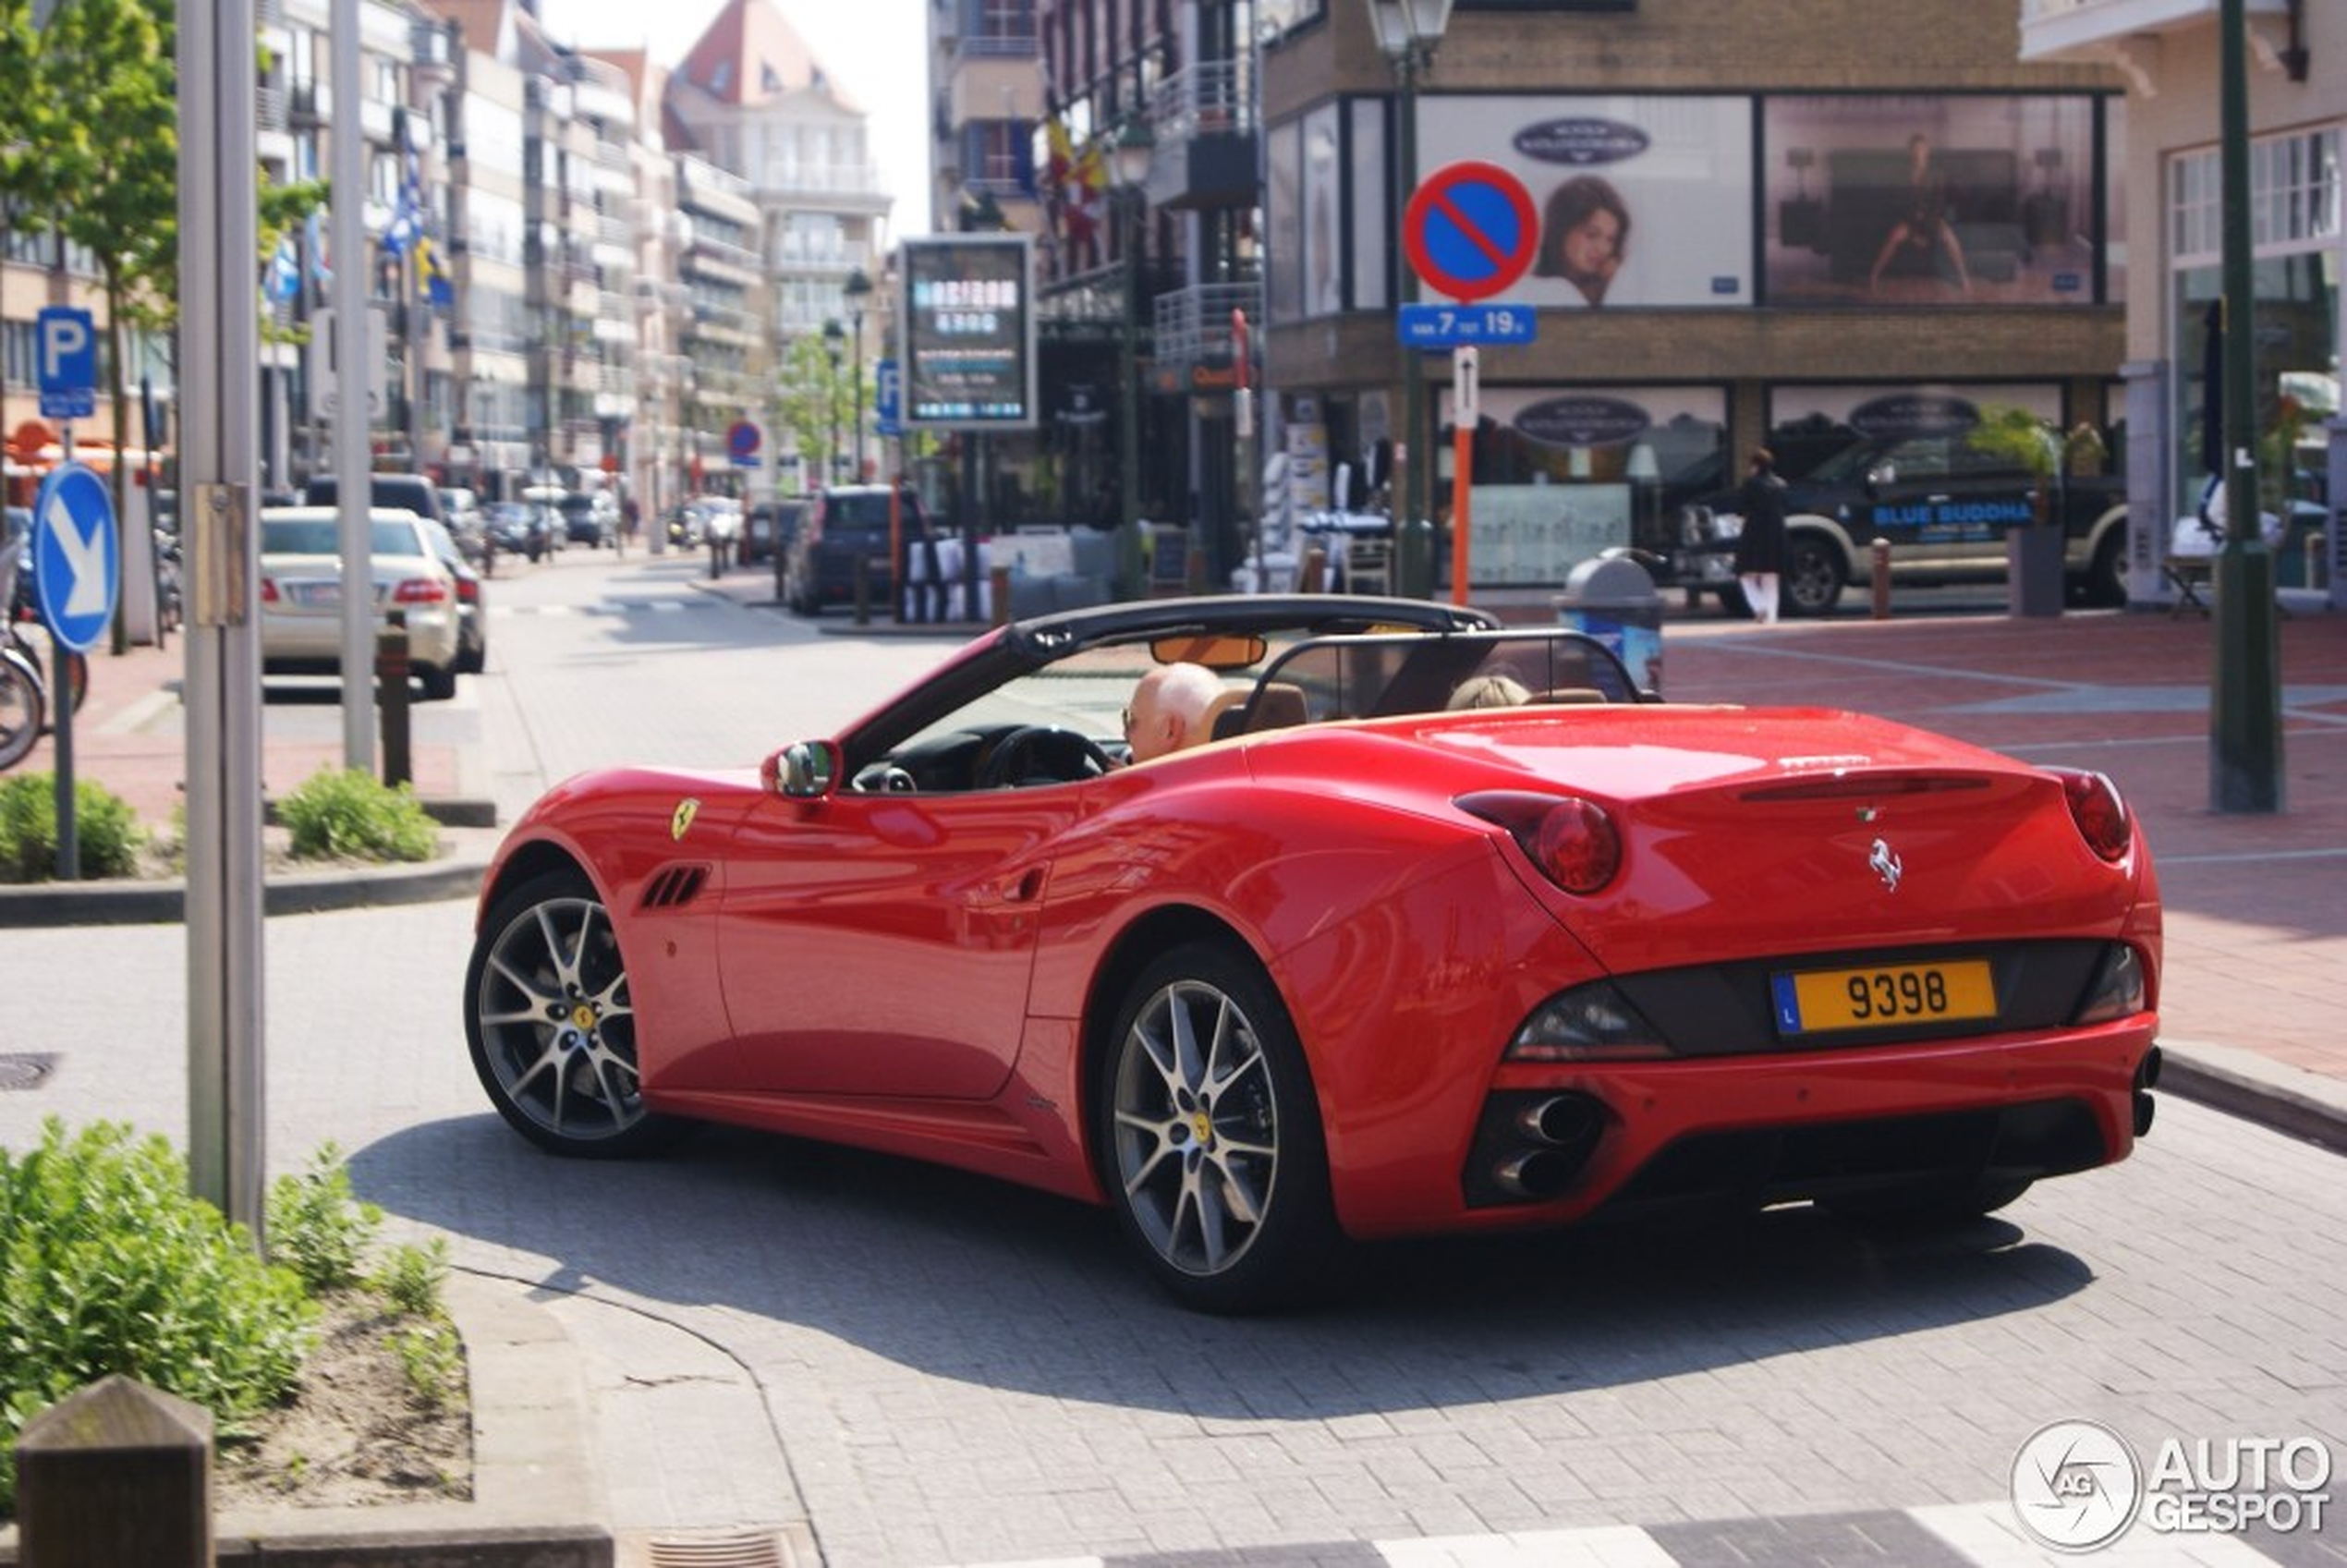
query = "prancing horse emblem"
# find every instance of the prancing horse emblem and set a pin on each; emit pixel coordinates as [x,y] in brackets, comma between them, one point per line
[1886,865]
[681,821]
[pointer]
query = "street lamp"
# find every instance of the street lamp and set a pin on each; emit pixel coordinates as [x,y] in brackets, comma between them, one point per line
[1133,149]
[1407,32]
[858,288]
[833,333]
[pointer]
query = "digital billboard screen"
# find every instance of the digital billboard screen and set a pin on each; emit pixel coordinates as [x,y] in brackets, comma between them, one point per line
[970,333]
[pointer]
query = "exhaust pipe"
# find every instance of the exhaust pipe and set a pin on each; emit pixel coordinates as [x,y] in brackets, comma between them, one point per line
[1542,1174]
[1569,1119]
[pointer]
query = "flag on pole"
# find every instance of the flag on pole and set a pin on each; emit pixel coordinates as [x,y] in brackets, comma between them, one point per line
[407,224]
[432,277]
[314,236]
[281,280]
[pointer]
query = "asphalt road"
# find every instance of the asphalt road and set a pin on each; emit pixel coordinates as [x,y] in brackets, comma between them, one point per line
[953,1371]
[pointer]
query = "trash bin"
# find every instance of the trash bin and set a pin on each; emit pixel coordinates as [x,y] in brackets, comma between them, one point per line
[1613,601]
[2033,569]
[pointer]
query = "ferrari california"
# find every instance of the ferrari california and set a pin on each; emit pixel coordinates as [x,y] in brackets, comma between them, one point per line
[1364,962]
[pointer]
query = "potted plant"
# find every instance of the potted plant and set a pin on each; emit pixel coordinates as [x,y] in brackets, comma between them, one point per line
[2040,448]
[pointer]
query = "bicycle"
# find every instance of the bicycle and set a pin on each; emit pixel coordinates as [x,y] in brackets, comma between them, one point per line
[24,708]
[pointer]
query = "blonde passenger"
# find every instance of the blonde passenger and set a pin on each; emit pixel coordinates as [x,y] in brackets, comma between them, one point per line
[1489,692]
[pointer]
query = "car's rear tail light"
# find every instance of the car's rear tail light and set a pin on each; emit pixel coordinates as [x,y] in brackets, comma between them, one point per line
[421,591]
[2117,991]
[1573,841]
[2101,815]
[269,594]
[1589,1023]
[467,591]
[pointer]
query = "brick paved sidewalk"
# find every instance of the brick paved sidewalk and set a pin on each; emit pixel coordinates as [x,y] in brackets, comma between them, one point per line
[130,737]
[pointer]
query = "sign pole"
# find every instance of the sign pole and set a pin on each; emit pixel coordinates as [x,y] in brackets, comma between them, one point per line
[69,830]
[1466,397]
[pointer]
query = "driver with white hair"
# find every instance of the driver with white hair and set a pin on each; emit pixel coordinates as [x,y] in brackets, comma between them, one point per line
[1168,711]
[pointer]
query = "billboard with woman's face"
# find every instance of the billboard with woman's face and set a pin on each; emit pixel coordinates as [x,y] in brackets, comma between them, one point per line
[1929,199]
[1642,201]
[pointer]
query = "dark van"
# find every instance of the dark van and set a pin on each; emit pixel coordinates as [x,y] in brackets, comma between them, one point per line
[840,527]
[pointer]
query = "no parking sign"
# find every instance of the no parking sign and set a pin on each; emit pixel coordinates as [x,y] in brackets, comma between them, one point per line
[1470,229]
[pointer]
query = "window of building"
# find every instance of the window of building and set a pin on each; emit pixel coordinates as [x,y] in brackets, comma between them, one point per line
[2296,229]
[997,156]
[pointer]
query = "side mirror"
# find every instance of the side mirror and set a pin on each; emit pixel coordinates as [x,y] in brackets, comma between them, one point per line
[805,771]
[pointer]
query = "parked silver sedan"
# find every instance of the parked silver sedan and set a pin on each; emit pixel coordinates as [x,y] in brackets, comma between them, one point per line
[301,593]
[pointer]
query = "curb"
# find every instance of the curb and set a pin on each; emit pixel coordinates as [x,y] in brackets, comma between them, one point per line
[536,1494]
[456,875]
[2279,1098]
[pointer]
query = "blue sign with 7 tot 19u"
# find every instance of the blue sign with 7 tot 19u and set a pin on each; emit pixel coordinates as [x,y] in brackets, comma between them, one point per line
[1456,326]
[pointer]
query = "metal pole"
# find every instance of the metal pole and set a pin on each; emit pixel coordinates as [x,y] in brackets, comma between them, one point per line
[220,455]
[856,381]
[1128,406]
[1407,455]
[353,378]
[2245,706]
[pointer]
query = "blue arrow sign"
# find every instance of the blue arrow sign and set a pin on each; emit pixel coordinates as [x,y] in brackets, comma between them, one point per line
[77,570]
[67,344]
[1457,326]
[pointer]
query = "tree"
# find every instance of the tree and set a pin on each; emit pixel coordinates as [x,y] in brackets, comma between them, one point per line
[29,184]
[115,154]
[817,400]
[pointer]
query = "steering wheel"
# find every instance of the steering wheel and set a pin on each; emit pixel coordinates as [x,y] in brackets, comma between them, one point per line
[1044,751]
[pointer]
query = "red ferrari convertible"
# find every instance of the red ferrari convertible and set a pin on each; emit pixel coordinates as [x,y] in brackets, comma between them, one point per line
[1365,963]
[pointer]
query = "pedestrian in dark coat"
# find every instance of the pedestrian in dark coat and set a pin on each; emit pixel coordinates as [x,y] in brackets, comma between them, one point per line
[1761,547]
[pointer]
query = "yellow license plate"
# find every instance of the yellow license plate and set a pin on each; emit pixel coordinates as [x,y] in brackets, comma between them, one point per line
[1950,991]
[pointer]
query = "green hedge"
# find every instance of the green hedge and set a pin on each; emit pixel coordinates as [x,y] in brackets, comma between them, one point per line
[107,834]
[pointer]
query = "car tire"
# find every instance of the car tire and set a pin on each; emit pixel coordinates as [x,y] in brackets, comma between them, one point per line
[2106,584]
[1210,1138]
[1813,578]
[1928,1204]
[440,685]
[551,1027]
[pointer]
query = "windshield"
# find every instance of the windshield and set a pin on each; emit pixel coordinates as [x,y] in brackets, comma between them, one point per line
[1298,680]
[323,535]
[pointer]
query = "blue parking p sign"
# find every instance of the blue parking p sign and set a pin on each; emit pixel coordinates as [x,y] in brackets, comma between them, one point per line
[76,569]
[66,342]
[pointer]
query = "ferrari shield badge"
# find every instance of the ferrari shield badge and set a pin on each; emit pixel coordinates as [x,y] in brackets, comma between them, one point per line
[681,821]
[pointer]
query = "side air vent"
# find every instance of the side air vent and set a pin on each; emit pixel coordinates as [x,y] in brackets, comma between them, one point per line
[673,887]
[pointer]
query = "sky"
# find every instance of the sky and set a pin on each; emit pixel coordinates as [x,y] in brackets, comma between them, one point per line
[876,50]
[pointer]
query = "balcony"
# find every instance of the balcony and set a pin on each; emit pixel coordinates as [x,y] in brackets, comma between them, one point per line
[2129,33]
[1194,323]
[1204,120]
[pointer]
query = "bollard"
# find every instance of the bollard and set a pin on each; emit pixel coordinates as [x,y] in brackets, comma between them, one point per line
[1882,580]
[998,589]
[116,1475]
[861,576]
[1313,574]
[391,700]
